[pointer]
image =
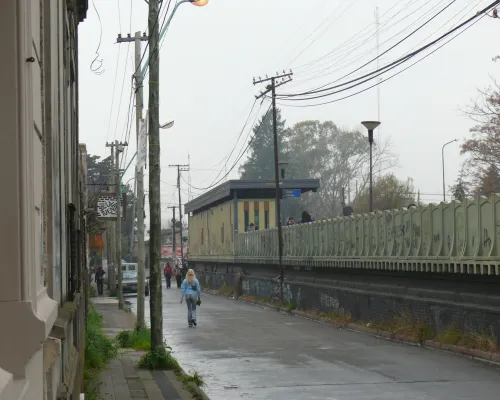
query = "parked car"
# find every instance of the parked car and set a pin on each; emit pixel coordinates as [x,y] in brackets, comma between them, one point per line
[130,281]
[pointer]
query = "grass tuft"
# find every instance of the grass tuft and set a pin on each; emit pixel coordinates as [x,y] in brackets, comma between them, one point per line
[92,291]
[474,340]
[194,377]
[99,350]
[158,359]
[290,307]
[138,339]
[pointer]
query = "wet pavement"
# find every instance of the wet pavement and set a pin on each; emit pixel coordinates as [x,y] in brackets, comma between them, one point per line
[248,352]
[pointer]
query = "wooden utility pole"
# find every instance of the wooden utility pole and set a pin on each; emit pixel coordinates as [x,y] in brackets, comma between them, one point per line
[139,179]
[174,252]
[155,300]
[282,78]
[180,168]
[118,147]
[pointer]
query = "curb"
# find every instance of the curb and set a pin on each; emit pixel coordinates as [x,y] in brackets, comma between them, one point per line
[195,388]
[480,355]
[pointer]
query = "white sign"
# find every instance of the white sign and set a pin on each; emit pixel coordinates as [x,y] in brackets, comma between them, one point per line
[143,142]
[106,206]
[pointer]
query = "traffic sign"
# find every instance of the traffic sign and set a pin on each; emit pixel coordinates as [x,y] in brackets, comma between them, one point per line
[291,193]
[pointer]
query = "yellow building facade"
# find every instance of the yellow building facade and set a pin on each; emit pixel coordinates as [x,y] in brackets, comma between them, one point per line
[230,208]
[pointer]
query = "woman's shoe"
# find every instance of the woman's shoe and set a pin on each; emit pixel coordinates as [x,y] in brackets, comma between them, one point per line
[194,322]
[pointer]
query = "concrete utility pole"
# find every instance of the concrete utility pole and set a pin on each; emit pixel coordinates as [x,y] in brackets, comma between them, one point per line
[180,168]
[284,78]
[155,300]
[139,179]
[118,147]
[173,231]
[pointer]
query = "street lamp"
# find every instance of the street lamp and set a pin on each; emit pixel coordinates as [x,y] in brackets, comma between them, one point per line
[371,126]
[442,160]
[168,125]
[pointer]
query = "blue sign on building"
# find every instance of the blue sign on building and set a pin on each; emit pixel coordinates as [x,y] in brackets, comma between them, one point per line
[291,193]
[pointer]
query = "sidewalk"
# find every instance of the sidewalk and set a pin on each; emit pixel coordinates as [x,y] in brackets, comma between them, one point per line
[122,381]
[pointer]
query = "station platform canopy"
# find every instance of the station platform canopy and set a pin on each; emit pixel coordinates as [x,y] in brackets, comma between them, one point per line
[249,189]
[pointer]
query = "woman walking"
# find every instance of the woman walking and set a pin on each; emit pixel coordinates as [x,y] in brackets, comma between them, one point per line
[191,290]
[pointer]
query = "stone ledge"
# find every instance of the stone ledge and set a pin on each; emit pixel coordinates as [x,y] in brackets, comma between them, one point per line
[430,344]
[22,337]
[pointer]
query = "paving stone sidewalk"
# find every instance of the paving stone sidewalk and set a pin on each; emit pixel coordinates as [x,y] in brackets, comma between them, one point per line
[122,380]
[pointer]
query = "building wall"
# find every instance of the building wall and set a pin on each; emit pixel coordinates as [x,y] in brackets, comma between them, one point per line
[41,265]
[211,231]
[367,302]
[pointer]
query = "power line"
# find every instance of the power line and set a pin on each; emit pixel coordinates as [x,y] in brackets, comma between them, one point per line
[147,44]
[391,65]
[239,158]
[390,77]
[97,70]
[323,88]
[352,60]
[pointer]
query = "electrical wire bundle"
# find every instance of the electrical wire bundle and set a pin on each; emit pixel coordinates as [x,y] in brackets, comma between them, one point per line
[331,88]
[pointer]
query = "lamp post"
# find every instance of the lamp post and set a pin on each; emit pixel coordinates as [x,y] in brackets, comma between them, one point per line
[371,126]
[442,161]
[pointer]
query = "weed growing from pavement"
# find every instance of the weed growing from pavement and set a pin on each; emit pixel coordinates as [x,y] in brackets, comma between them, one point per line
[290,307]
[92,291]
[194,377]
[99,350]
[158,359]
[137,339]
[405,327]
[482,340]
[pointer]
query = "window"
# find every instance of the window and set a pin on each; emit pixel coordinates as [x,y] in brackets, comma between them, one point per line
[202,236]
[266,219]
[256,214]
[222,233]
[247,220]
[256,219]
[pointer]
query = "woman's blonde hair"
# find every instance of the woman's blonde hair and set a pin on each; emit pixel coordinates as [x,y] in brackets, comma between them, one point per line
[190,276]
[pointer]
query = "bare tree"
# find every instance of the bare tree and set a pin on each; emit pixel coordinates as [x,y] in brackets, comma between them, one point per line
[483,148]
[336,156]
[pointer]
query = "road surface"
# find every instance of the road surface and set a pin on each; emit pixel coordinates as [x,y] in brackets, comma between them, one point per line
[248,352]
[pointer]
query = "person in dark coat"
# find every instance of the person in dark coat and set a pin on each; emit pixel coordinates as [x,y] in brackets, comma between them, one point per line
[178,277]
[99,278]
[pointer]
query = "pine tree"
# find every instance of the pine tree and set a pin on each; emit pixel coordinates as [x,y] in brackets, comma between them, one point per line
[460,189]
[260,162]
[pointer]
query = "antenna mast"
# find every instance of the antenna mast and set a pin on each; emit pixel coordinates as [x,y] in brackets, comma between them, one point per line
[377,25]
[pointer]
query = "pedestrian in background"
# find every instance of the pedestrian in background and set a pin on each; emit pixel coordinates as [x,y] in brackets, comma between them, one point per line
[192,292]
[99,279]
[178,277]
[167,271]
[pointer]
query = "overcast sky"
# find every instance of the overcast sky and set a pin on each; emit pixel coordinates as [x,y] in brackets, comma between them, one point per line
[210,55]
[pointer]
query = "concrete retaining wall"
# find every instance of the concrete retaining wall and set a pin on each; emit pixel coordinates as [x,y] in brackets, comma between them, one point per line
[364,302]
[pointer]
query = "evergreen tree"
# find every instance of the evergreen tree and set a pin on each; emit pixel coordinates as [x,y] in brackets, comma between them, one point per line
[260,162]
[460,189]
